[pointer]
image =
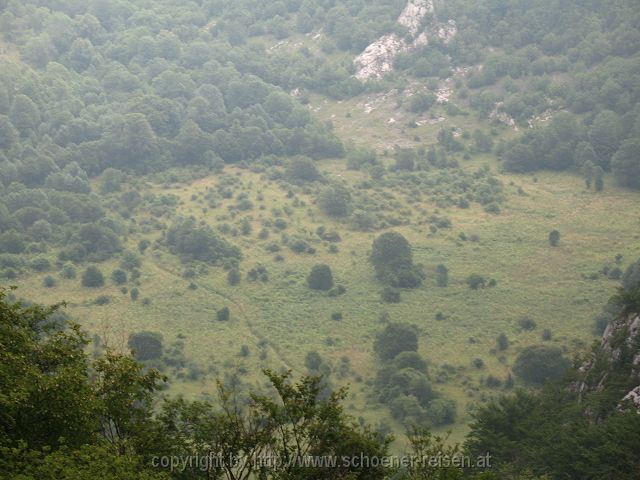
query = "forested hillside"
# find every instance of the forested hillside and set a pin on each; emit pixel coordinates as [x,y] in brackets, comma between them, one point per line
[427,201]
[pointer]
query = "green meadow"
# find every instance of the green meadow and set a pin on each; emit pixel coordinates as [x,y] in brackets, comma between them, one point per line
[281,320]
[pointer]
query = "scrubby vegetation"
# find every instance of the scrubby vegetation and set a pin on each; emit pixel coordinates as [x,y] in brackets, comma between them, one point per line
[217,187]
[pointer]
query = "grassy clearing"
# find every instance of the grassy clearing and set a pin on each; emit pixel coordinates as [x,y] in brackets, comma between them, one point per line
[281,320]
[533,280]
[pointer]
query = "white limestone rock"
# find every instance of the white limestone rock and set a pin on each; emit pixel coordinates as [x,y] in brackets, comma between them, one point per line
[412,15]
[377,59]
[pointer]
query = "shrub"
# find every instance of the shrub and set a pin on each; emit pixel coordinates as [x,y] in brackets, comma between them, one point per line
[244,351]
[539,363]
[102,300]
[145,345]
[234,277]
[421,102]
[194,242]
[335,201]
[408,381]
[223,315]
[492,382]
[119,277]
[337,291]
[10,274]
[41,264]
[407,408]
[615,273]
[441,411]
[298,245]
[301,170]
[134,294]
[130,261]
[143,245]
[476,281]
[313,361]
[337,316]
[92,277]
[391,295]
[320,278]
[527,323]
[49,281]
[68,272]
[442,275]
[502,342]
[394,339]
[410,360]
[554,238]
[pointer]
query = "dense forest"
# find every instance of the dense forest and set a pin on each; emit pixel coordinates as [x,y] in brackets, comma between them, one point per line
[325,228]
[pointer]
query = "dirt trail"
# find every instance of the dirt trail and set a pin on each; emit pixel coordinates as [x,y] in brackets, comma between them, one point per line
[242,314]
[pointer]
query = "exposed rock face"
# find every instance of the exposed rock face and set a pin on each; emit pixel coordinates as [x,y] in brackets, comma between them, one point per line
[619,349]
[377,59]
[412,15]
[503,117]
[634,396]
[446,31]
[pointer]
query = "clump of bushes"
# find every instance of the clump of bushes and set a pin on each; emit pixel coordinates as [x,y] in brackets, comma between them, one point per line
[92,277]
[320,278]
[146,345]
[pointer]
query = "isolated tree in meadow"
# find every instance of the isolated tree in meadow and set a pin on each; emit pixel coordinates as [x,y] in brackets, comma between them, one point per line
[320,277]
[234,276]
[502,342]
[392,259]
[302,169]
[313,361]
[223,314]
[134,294]
[539,363]
[554,238]
[598,177]
[145,345]
[442,275]
[587,171]
[92,277]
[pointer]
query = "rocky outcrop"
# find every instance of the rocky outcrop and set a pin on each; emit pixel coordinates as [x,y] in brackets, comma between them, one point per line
[377,59]
[618,353]
[634,397]
[412,15]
